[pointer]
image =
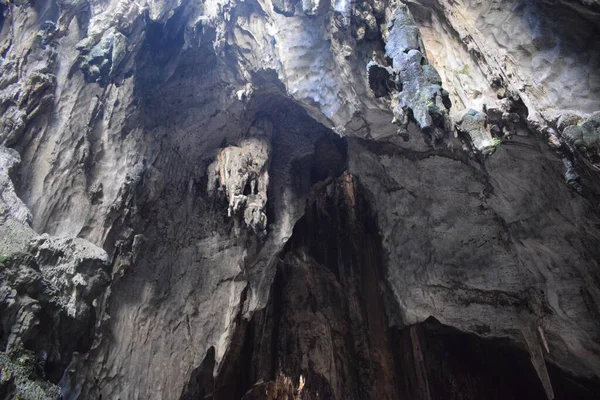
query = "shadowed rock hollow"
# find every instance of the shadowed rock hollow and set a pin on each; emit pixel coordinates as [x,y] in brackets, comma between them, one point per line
[299,199]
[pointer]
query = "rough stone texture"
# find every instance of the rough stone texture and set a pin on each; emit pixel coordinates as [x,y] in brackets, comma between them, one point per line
[528,50]
[47,286]
[585,138]
[242,173]
[474,124]
[45,318]
[283,193]
[496,208]
[16,381]
[15,216]
[417,93]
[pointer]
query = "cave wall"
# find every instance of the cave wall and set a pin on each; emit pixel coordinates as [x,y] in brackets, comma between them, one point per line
[284,199]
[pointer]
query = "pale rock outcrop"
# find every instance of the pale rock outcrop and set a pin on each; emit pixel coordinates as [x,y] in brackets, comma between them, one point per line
[242,173]
[474,124]
[585,138]
[15,216]
[487,50]
[75,267]
[22,99]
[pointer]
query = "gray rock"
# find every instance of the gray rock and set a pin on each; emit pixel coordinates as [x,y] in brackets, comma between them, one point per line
[585,137]
[285,7]
[75,267]
[418,91]
[311,7]
[474,124]
[100,61]
[238,165]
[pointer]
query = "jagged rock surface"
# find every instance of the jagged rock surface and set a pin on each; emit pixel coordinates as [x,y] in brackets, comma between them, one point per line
[47,286]
[300,199]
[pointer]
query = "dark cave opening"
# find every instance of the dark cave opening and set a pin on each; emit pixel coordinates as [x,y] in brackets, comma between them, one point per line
[328,279]
[326,322]
[201,381]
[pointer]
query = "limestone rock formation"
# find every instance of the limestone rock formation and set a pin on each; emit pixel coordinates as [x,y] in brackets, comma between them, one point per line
[284,199]
[242,173]
[47,286]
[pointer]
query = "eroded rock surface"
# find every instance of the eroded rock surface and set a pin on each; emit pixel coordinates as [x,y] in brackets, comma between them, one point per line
[47,288]
[299,199]
[242,173]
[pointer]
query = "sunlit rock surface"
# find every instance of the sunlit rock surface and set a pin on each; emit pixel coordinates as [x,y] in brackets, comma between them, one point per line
[299,199]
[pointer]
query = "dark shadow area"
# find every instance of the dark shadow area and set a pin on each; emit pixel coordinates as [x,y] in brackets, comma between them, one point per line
[326,317]
[326,321]
[201,382]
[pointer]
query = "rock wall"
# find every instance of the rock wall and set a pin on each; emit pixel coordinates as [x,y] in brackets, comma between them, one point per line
[299,199]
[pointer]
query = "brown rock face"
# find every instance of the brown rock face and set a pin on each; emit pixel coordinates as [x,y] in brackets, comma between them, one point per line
[325,307]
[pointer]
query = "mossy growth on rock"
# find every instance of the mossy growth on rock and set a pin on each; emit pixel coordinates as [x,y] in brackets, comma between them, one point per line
[585,138]
[3,259]
[18,379]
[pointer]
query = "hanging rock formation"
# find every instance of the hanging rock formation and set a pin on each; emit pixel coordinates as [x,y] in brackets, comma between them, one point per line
[283,199]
